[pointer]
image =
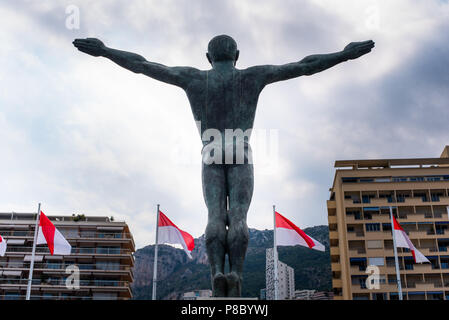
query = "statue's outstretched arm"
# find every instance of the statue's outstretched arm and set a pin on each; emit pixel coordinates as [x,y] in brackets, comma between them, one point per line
[312,64]
[179,76]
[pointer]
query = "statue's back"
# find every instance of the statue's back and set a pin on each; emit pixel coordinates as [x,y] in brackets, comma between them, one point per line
[224,101]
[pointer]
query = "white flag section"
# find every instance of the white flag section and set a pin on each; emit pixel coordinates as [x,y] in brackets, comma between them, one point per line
[288,234]
[403,241]
[170,233]
[48,234]
[2,246]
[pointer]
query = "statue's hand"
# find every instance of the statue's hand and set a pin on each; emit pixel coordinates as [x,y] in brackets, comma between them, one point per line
[355,50]
[91,46]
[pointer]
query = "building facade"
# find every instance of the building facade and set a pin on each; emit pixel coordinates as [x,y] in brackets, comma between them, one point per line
[101,259]
[361,244]
[197,295]
[286,276]
[313,295]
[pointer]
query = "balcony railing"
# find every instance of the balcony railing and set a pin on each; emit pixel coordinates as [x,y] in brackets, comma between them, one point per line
[70,235]
[62,282]
[75,250]
[61,297]
[4,265]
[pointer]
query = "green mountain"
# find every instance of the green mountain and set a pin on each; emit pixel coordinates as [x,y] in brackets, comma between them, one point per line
[178,274]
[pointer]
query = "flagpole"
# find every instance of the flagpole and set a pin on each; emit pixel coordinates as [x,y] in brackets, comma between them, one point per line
[155,256]
[275,256]
[33,252]
[396,260]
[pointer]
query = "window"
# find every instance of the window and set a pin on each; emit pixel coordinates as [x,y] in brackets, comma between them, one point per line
[374,244]
[435,295]
[12,295]
[408,263]
[372,227]
[358,262]
[108,250]
[109,265]
[444,262]
[54,265]
[69,232]
[104,296]
[379,296]
[434,261]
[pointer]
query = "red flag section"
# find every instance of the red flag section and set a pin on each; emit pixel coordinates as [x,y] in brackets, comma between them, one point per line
[2,246]
[170,233]
[288,234]
[48,234]
[403,241]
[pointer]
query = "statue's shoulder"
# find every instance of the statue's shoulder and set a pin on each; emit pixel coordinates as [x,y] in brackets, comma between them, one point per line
[254,71]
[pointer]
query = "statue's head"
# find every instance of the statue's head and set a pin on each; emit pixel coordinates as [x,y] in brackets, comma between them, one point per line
[222,48]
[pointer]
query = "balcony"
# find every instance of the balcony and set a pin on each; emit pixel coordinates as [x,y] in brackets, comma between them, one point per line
[331,204]
[337,283]
[118,251]
[114,285]
[415,201]
[332,219]
[333,234]
[71,235]
[58,297]
[356,252]
[336,266]
[355,269]
[355,235]
[61,267]
[423,286]
[334,251]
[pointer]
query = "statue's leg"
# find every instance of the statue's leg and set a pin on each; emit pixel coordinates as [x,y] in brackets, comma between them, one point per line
[240,178]
[214,191]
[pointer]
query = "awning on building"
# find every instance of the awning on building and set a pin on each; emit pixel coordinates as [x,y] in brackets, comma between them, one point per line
[12,273]
[110,228]
[36,258]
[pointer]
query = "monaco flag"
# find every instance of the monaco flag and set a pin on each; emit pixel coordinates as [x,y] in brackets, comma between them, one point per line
[48,234]
[403,241]
[287,234]
[170,233]
[2,246]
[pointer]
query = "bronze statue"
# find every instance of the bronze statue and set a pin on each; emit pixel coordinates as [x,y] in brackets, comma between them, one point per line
[225,98]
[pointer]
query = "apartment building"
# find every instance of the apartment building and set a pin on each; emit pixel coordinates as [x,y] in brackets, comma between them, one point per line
[363,191]
[313,295]
[286,277]
[102,256]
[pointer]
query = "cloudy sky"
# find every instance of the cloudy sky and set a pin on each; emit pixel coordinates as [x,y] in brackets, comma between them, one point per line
[82,135]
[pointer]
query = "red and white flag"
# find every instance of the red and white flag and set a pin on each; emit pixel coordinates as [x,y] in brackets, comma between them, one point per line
[48,234]
[287,234]
[403,241]
[2,246]
[170,233]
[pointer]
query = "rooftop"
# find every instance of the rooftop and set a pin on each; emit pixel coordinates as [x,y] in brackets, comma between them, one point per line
[388,163]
